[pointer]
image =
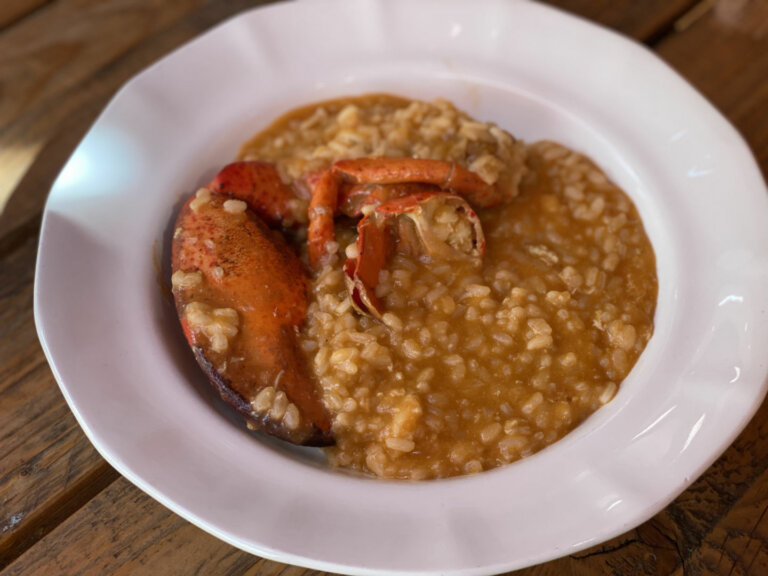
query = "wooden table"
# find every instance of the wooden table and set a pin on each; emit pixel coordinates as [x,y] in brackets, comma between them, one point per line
[64,510]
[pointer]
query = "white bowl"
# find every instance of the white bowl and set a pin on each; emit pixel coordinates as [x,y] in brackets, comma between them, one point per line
[113,343]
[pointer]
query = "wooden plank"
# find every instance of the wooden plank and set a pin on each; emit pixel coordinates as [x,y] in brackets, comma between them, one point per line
[55,50]
[138,535]
[738,544]
[48,468]
[725,56]
[717,526]
[135,535]
[644,20]
[62,45]
[12,11]
[37,143]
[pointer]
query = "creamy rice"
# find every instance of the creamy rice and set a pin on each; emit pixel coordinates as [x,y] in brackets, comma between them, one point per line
[474,364]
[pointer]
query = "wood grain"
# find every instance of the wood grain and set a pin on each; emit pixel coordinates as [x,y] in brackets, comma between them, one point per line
[126,532]
[38,140]
[54,51]
[645,20]
[47,467]
[12,11]
[717,526]
[59,47]
[725,55]
[732,549]
[57,493]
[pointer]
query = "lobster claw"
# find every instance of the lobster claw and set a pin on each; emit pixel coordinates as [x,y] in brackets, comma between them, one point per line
[350,185]
[430,225]
[241,297]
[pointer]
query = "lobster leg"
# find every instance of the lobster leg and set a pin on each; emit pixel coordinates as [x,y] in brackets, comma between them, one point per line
[350,185]
[448,176]
[434,225]
[322,210]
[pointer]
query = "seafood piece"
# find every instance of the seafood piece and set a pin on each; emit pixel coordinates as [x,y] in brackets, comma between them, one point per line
[241,296]
[400,197]
[354,198]
[445,175]
[259,185]
[352,184]
[433,225]
[322,211]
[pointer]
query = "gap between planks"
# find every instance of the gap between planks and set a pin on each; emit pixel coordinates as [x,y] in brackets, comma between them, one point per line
[679,22]
[57,511]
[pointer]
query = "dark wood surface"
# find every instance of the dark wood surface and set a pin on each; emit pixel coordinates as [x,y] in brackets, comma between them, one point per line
[64,510]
